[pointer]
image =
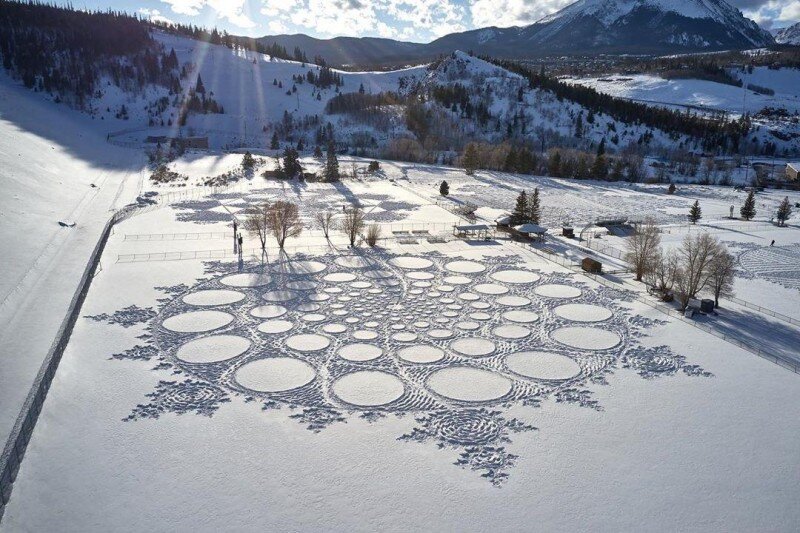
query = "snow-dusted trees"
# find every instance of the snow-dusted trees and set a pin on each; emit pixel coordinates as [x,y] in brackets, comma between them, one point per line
[520,213]
[248,161]
[325,221]
[784,211]
[643,248]
[256,223]
[273,143]
[695,213]
[283,220]
[748,210]
[662,276]
[353,224]
[721,272]
[695,256]
[373,234]
[444,188]
[534,206]
[291,163]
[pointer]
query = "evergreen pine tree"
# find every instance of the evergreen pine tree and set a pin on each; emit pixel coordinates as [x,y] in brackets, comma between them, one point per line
[520,213]
[601,148]
[200,88]
[248,161]
[331,163]
[671,188]
[317,152]
[618,170]
[784,211]
[748,210]
[554,164]
[444,188]
[695,213]
[274,144]
[534,206]
[470,159]
[510,164]
[599,169]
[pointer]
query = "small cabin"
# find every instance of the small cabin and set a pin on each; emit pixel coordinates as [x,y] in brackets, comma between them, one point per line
[792,171]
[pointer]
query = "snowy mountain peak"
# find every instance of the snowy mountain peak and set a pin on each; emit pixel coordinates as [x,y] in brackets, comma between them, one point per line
[790,35]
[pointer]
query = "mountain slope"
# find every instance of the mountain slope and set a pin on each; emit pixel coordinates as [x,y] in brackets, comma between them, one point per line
[790,35]
[584,27]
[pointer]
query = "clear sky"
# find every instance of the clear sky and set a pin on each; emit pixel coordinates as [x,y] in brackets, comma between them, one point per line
[411,20]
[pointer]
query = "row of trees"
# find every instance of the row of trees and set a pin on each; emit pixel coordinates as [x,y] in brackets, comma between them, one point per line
[700,263]
[282,221]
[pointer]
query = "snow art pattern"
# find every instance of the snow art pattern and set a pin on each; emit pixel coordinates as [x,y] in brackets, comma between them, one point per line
[451,342]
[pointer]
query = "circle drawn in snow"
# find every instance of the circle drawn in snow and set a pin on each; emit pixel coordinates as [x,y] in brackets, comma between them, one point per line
[299,268]
[469,297]
[248,279]
[457,280]
[480,305]
[360,352]
[210,298]
[279,296]
[368,388]
[213,349]
[419,275]
[555,290]
[467,325]
[513,301]
[583,312]
[352,261]
[542,365]
[511,332]
[268,311]
[314,317]
[465,267]
[473,346]
[520,277]
[197,321]
[480,316]
[275,374]
[361,284]
[275,326]
[339,277]
[409,262]
[421,353]
[318,297]
[445,288]
[404,337]
[522,317]
[469,384]
[307,307]
[586,338]
[334,328]
[490,288]
[307,342]
[440,333]
[365,335]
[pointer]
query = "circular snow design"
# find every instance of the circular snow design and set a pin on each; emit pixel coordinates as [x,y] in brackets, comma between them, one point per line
[279,296]
[213,297]
[421,353]
[360,352]
[586,338]
[334,329]
[467,384]
[368,388]
[557,291]
[465,267]
[583,312]
[299,268]
[542,365]
[365,335]
[519,277]
[511,332]
[457,280]
[521,317]
[268,311]
[308,342]
[513,301]
[197,321]
[779,264]
[466,427]
[301,285]
[274,375]
[490,288]
[353,261]
[275,326]
[411,263]
[213,349]
[473,346]
[419,275]
[440,333]
[249,279]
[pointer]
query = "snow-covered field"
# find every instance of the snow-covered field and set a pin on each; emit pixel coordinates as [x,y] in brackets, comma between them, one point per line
[429,385]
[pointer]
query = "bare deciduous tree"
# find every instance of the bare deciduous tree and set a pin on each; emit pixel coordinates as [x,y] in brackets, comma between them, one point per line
[662,276]
[283,220]
[721,272]
[643,248]
[256,223]
[373,234]
[353,223]
[325,221]
[695,256]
